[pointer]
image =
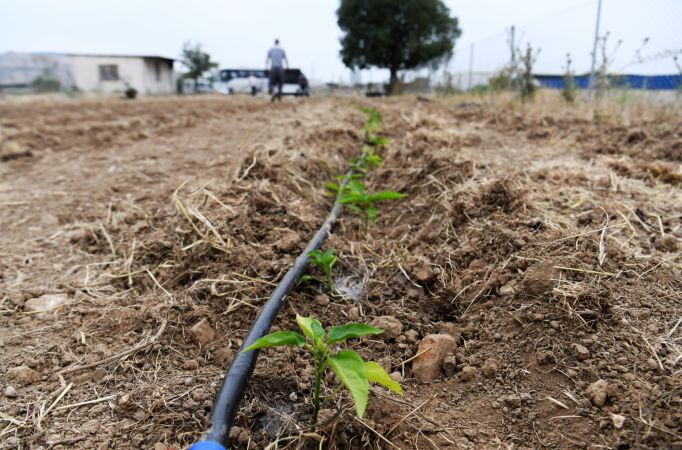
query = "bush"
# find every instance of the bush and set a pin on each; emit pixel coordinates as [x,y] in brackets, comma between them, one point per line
[45,84]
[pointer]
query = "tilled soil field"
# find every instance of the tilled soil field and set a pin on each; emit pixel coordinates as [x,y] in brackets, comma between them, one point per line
[139,240]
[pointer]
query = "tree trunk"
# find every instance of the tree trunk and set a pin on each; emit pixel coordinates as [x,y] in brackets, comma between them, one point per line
[393,83]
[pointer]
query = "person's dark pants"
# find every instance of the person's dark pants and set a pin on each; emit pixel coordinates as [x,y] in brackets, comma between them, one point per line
[276,81]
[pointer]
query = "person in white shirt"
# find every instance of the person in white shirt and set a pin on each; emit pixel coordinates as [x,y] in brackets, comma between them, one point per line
[277,59]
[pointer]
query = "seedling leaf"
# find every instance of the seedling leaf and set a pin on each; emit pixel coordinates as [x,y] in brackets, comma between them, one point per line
[332,186]
[377,374]
[277,339]
[385,195]
[378,141]
[371,213]
[350,369]
[305,278]
[311,327]
[342,333]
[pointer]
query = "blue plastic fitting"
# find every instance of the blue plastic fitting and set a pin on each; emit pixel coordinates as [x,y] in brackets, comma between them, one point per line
[207,445]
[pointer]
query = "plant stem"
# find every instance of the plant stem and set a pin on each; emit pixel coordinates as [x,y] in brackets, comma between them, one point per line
[316,399]
[330,282]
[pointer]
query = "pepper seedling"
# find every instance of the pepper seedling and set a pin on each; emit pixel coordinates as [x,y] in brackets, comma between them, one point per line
[366,160]
[325,261]
[353,373]
[355,198]
[371,126]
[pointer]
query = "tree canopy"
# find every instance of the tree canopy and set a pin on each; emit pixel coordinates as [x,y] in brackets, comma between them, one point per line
[395,35]
[196,60]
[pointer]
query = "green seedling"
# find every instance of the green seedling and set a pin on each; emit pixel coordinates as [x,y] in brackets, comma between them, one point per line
[354,373]
[365,161]
[371,127]
[325,261]
[355,198]
[373,121]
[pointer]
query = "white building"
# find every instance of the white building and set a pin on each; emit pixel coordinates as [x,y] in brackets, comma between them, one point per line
[106,74]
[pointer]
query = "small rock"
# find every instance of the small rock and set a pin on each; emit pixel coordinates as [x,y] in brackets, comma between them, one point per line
[471,434]
[495,405]
[580,352]
[223,355]
[199,395]
[325,415]
[46,305]
[651,364]
[396,376]
[540,279]
[545,357]
[526,397]
[538,317]
[385,363]
[489,368]
[10,392]
[322,299]
[411,336]
[554,324]
[190,364]
[17,299]
[354,313]
[450,328]
[598,392]
[91,426]
[99,374]
[513,401]
[432,352]
[424,274]
[449,365]
[160,446]
[23,375]
[468,373]
[12,442]
[202,333]
[288,242]
[392,327]
[618,420]
[667,243]
[124,400]
[507,289]
[293,397]
[240,435]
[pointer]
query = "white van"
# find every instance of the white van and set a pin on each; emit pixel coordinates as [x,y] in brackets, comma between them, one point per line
[241,81]
[202,85]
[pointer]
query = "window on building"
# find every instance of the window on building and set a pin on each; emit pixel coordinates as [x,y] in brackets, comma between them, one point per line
[108,72]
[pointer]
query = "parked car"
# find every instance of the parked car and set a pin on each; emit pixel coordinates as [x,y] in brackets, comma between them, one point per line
[253,81]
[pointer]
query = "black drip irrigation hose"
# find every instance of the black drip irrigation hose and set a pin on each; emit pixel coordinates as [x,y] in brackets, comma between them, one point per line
[227,401]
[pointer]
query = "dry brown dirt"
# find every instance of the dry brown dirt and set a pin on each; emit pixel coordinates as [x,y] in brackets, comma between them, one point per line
[545,239]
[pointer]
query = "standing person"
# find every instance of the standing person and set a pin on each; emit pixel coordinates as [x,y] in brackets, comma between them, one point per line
[278,60]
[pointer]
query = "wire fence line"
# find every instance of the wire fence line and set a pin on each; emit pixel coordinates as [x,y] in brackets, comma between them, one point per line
[635,38]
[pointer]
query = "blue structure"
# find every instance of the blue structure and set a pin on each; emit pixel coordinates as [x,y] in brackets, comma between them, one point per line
[650,82]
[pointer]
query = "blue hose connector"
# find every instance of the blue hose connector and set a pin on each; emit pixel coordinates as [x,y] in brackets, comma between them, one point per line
[207,445]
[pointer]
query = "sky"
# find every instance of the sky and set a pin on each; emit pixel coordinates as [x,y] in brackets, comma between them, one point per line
[238,33]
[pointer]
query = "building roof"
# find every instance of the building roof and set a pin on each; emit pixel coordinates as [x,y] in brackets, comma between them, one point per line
[111,55]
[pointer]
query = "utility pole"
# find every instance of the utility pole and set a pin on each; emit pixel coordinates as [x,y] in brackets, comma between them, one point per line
[512,45]
[471,67]
[593,74]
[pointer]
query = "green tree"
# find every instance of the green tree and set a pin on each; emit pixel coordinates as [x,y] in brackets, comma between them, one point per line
[196,61]
[396,35]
